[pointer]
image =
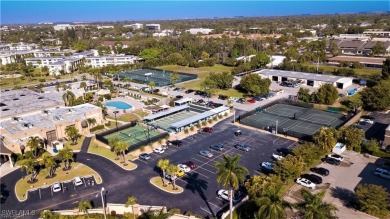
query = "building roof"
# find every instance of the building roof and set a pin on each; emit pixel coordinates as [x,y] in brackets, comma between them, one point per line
[371,44]
[3,149]
[299,75]
[198,117]
[166,112]
[183,100]
[352,44]
[365,60]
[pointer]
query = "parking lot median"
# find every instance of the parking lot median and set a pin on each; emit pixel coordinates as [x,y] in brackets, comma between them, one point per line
[156,181]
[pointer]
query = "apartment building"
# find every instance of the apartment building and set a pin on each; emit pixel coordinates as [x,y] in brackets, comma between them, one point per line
[135,26]
[196,31]
[155,27]
[59,27]
[102,61]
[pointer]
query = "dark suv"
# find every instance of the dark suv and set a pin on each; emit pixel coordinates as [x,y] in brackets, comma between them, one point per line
[320,170]
[177,143]
[284,151]
[312,177]
[238,133]
[332,161]
[208,129]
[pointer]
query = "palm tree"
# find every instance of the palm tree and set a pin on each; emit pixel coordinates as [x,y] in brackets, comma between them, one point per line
[83,85]
[230,175]
[172,170]
[33,144]
[69,98]
[314,208]
[91,121]
[66,155]
[45,70]
[29,165]
[149,214]
[131,201]
[163,164]
[49,162]
[84,206]
[72,133]
[272,205]
[122,147]
[152,85]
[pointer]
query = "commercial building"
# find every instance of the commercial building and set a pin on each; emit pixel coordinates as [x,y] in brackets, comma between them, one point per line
[377,32]
[309,79]
[102,61]
[358,47]
[59,27]
[196,31]
[371,62]
[135,26]
[155,27]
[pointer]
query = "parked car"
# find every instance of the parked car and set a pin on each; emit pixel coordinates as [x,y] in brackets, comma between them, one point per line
[217,147]
[251,100]
[208,129]
[332,161]
[224,194]
[222,97]
[144,156]
[156,90]
[276,157]
[177,143]
[312,177]
[170,177]
[77,181]
[382,173]
[267,165]
[206,153]
[190,164]
[56,187]
[284,151]
[201,102]
[184,167]
[336,157]
[189,91]
[320,170]
[180,173]
[179,96]
[159,150]
[241,146]
[241,100]
[238,133]
[306,183]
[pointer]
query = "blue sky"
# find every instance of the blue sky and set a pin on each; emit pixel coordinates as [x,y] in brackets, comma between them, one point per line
[13,12]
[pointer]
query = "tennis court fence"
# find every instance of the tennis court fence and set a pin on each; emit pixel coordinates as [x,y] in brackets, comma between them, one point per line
[100,136]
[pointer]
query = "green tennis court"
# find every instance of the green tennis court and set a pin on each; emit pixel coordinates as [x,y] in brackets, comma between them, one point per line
[133,135]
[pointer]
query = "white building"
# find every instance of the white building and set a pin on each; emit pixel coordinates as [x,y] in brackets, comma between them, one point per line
[377,32]
[63,27]
[56,65]
[102,61]
[23,46]
[245,58]
[135,26]
[276,61]
[5,47]
[155,27]
[361,37]
[164,33]
[196,31]
[6,59]
[105,27]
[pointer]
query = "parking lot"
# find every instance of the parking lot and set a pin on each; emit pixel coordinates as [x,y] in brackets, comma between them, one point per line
[376,130]
[200,184]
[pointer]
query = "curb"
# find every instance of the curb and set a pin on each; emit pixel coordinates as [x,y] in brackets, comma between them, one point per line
[174,193]
[115,163]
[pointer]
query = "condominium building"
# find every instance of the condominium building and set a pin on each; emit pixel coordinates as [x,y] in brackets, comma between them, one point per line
[195,31]
[102,61]
[135,26]
[155,27]
[59,27]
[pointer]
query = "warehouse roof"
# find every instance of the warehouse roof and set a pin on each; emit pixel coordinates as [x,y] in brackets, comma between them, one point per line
[300,75]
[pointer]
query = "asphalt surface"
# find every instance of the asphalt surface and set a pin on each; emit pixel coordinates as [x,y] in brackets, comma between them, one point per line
[200,185]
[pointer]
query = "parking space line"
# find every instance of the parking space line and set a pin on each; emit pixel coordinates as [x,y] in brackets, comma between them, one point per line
[207,170]
[214,205]
[197,160]
[199,174]
[206,210]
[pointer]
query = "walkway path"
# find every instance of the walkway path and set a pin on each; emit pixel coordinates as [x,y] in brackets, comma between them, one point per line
[85,145]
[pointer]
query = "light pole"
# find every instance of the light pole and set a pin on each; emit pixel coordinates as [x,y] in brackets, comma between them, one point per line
[104,209]
[116,121]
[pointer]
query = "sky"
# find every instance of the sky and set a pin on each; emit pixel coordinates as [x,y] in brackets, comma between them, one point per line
[31,11]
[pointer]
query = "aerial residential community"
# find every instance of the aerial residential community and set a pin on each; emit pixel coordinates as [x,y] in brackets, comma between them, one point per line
[232,109]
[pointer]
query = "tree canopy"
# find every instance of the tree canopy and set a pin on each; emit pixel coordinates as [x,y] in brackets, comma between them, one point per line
[253,84]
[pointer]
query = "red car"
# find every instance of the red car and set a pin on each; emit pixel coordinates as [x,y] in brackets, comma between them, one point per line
[208,129]
[251,100]
[190,164]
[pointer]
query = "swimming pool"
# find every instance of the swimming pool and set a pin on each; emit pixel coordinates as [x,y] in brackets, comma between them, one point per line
[118,104]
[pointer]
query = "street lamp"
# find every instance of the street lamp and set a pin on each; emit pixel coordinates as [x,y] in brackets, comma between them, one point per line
[104,209]
[116,121]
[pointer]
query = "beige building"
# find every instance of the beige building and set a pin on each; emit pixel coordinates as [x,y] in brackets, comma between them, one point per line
[386,141]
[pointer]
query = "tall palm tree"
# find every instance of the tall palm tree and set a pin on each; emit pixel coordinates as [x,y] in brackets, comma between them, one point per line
[29,165]
[72,133]
[48,161]
[272,205]
[66,155]
[84,206]
[314,208]
[152,85]
[163,164]
[131,201]
[230,175]
[33,144]
[69,98]
[122,147]
[172,170]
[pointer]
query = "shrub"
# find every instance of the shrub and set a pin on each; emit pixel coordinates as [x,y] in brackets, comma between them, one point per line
[226,114]
[220,116]
[381,154]
[174,211]
[57,77]
[215,118]
[192,128]
[107,96]
[198,125]
[186,131]
[142,148]
[210,121]
[108,123]
[113,213]
[204,123]
[42,80]
[357,149]
[98,127]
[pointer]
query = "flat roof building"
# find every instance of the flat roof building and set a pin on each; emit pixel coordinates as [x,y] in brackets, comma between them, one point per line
[309,79]
[372,62]
[155,27]
[196,31]
[59,27]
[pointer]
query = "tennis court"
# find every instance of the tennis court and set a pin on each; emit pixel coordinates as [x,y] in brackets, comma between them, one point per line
[292,120]
[132,135]
[165,122]
[159,77]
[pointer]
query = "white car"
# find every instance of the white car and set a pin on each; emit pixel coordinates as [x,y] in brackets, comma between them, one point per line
[369,121]
[277,157]
[267,165]
[159,150]
[170,177]
[77,181]
[306,183]
[184,167]
[336,157]
[56,187]
[224,194]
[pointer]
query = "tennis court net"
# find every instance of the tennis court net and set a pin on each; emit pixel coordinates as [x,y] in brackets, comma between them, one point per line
[276,114]
[314,121]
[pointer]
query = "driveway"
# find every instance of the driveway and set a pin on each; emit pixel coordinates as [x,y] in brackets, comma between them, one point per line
[200,185]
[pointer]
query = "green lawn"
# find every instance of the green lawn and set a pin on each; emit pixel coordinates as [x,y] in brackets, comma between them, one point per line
[107,153]
[78,144]
[128,117]
[78,169]
[361,72]
[156,181]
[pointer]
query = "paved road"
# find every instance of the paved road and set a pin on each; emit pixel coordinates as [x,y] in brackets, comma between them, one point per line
[200,186]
